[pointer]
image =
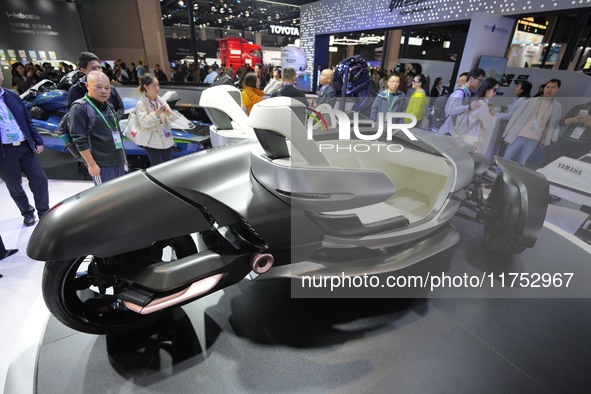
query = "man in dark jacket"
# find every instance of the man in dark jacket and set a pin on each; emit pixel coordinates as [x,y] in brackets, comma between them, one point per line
[21,143]
[101,147]
[327,93]
[160,76]
[389,100]
[88,62]
[288,89]
[576,139]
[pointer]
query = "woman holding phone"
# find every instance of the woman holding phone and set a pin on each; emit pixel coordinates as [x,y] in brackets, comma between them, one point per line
[155,118]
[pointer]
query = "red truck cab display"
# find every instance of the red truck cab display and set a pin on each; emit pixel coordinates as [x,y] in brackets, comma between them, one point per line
[235,52]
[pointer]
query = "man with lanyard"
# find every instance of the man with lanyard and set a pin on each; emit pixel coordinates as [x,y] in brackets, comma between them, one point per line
[102,147]
[576,140]
[21,143]
[455,104]
[533,124]
[389,100]
[88,62]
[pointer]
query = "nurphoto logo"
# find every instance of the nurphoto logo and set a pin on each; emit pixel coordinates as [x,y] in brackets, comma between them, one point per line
[393,121]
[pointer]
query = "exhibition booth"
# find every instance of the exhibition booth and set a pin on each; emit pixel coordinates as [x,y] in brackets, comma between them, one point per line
[304,251]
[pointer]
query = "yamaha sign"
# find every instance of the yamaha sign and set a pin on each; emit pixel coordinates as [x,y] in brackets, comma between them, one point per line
[284,30]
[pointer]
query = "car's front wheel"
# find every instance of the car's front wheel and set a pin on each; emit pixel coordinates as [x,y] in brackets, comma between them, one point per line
[82,292]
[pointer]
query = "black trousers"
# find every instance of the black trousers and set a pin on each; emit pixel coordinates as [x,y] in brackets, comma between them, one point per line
[158,156]
[20,160]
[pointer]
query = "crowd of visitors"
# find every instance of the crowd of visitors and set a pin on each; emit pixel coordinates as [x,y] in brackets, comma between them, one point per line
[466,110]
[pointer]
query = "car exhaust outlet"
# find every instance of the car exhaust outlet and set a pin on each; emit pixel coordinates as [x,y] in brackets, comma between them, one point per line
[195,290]
[262,262]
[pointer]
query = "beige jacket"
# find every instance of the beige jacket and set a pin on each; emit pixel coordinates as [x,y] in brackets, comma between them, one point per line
[154,130]
[526,111]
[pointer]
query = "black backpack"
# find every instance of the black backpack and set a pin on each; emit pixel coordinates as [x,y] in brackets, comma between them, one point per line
[438,115]
[63,128]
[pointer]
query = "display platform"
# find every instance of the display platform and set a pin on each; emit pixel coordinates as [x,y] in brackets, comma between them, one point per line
[253,337]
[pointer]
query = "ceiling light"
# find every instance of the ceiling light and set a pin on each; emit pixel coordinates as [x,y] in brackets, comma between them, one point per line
[181,3]
[412,41]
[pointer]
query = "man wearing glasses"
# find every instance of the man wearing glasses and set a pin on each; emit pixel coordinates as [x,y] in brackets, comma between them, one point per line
[455,104]
[100,143]
[461,80]
[88,62]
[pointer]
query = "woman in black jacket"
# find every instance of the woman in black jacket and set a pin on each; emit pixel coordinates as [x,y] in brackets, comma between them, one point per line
[20,79]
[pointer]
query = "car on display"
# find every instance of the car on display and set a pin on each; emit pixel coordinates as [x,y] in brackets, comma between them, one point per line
[46,105]
[121,254]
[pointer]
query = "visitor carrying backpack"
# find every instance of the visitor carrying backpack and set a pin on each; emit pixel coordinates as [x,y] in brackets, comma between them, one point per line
[438,112]
[63,128]
[440,116]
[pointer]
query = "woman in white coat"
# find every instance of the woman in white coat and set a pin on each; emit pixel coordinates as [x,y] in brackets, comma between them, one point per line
[474,127]
[154,118]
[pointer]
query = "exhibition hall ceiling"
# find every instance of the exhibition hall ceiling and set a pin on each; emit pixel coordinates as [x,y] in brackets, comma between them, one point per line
[233,14]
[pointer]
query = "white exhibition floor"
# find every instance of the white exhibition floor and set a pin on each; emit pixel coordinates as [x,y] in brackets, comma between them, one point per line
[23,314]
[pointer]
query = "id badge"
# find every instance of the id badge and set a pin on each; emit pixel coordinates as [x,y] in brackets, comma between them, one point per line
[168,134]
[535,126]
[577,132]
[12,136]
[117,140]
